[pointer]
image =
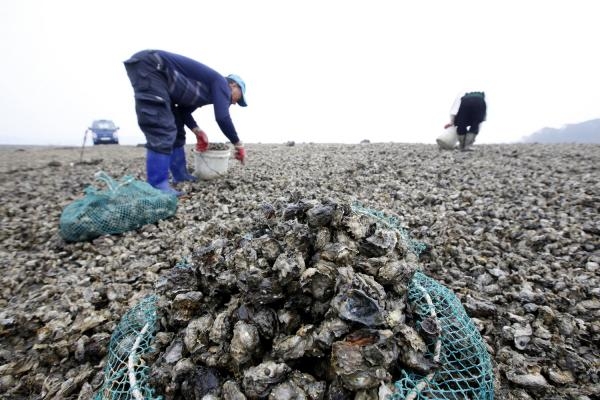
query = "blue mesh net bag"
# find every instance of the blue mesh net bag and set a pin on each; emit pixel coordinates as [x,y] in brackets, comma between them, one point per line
[465,370]
[124,205]
[125,373]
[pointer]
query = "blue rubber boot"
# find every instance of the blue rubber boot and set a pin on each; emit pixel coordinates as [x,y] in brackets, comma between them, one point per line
[179,167]
[157,170]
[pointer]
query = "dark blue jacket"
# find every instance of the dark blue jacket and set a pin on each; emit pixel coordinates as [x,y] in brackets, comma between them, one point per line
[192,85]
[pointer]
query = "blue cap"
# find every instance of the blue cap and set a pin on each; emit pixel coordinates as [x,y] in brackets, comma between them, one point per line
[242,86]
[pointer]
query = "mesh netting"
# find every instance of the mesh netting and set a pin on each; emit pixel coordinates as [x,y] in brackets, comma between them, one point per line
[465,369]
[125,374]
[125,205]
[416,247]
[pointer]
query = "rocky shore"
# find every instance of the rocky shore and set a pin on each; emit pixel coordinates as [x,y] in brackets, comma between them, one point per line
[512,230]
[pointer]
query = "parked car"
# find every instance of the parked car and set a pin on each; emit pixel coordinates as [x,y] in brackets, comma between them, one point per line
[104,131]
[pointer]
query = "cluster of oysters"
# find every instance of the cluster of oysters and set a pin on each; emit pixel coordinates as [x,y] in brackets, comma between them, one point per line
[309,304]
[512,229]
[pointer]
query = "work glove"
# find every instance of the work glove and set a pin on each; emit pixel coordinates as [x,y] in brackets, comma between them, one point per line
[201,140]
[240,153]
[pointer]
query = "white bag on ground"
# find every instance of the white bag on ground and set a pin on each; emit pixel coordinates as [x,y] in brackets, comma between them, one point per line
[448,139]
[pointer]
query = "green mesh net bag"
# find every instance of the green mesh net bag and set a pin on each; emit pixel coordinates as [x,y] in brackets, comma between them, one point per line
[124,205]
[125,374]
[392,222]
[465,369]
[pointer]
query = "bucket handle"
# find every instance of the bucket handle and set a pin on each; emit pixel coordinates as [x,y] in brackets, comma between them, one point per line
[212,169]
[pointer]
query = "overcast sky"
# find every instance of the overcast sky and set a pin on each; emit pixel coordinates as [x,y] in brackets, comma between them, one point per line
[316,71]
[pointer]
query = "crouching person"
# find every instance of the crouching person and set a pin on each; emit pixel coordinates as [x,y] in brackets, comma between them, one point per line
[467,113]
[167,88]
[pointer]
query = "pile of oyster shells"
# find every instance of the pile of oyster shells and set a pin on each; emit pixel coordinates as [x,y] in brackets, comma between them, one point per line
[513,230]
[308,304]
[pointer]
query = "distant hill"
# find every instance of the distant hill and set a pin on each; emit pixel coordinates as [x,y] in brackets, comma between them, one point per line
[584,132]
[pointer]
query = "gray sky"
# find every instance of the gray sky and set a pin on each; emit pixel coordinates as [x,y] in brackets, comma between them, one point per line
[315,70]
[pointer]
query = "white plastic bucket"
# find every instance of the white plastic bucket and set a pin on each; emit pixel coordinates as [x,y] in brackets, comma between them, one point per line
[448,139]
[211,164]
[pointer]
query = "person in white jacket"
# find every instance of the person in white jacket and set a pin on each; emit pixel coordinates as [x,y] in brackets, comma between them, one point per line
[467,113]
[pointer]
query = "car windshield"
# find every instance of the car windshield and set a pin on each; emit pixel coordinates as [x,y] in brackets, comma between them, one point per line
[103,125]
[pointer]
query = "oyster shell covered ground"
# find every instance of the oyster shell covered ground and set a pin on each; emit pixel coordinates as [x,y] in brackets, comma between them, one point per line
[278,269]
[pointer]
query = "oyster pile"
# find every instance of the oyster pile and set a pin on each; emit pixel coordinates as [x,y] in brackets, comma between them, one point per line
[218,146]
[512,229]
[310,303]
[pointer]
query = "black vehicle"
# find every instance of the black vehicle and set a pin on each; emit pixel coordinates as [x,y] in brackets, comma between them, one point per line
[104,131]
